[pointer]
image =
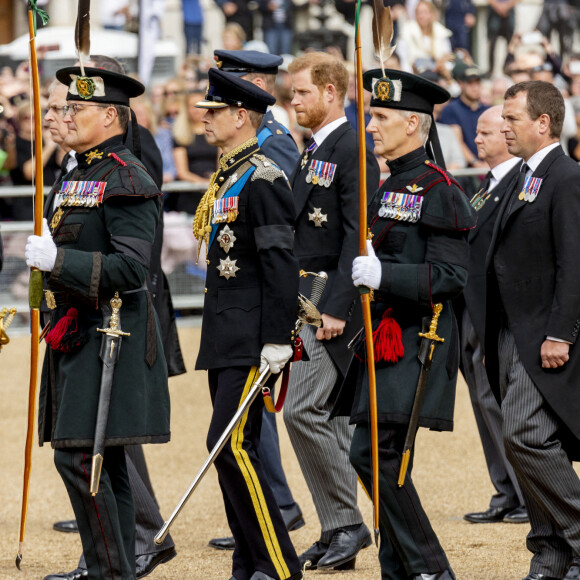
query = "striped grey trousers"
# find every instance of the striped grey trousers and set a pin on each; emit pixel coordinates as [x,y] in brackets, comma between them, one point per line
[550,485]
[321,444]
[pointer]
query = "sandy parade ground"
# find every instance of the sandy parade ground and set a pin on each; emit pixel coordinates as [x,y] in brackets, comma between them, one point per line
[449,472]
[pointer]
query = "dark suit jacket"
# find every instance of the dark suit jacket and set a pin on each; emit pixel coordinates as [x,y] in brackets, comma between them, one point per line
[333,246]
[532,271]
[479,239]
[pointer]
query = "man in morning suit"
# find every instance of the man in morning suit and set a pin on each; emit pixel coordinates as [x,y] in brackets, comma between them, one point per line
[277,144]
[326,196]
[99,242]
[507,504]
[532,321]
[420,220]
[246,221]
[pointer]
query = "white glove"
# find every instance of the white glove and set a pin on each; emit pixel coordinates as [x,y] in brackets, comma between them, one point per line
[366,270]
[41,250]
[275,355]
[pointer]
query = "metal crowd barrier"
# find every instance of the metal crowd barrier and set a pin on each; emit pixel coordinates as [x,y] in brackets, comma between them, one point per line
[186,279]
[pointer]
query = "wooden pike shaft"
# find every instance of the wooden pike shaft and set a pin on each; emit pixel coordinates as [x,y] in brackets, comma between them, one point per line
[365,295]
[35,280]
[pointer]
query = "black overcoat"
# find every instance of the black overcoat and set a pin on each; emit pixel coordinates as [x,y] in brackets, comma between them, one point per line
[533,283]
[102,249]
[333,246]
[423,263]
[253,301]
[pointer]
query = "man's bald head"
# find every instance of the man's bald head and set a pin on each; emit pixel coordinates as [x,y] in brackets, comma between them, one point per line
[490,141]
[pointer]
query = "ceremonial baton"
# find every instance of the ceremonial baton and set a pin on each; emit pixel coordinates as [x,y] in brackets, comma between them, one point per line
[307,314]
[110,350]
[425,356]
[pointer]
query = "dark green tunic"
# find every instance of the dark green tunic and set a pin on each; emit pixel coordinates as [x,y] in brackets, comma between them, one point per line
[423,263]
[103,249]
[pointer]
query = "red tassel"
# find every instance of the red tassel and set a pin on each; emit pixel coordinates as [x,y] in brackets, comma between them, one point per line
[65,335]
[117,159]
[439,170]
[388,340]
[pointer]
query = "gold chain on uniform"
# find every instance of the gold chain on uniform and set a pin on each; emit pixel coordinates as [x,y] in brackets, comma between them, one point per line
[203,213]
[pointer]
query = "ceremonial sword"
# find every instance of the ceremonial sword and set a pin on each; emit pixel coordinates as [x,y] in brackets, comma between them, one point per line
[425,356]
[307,314]
[110,348]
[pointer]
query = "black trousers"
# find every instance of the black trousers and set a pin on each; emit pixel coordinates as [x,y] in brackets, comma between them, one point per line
[262,541]
[409,546]
[107,520]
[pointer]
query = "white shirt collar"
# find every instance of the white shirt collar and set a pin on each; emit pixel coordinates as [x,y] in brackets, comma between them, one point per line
[534,161]
[501,170]
[323,133]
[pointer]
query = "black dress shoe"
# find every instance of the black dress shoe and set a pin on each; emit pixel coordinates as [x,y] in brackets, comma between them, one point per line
[293,517]
[67,526]
[74,575]
[491,516]
[517,516]
[223,543]
[345,545]
[535,576]
[146,563]
[574,570]
[309,559]
[445,575]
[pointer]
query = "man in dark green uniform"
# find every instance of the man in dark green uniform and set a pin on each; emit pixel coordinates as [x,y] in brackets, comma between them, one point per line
[418,257]
[98,243]
[246,220]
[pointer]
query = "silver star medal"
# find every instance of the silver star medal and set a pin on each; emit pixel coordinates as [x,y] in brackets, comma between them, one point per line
[318,217]
[226,239]
[228,268]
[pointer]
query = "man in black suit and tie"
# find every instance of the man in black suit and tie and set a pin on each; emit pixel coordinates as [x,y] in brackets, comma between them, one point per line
[532,321]
[325,187]
[507,504]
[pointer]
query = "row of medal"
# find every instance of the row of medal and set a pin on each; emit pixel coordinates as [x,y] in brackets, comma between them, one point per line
[81,193]
[225,210]
[321,173]
[479,199]
[401,206]
[531,189]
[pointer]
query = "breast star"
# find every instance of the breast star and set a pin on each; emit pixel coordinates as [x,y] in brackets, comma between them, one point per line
[318,217]
[228,268]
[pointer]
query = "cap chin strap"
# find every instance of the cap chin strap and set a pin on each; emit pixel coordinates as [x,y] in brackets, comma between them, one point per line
[433,146]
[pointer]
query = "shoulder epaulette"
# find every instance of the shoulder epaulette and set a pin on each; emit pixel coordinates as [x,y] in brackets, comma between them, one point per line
[446,176]
[265,168]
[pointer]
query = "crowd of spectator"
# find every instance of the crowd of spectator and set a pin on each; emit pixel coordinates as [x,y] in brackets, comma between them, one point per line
[434,39]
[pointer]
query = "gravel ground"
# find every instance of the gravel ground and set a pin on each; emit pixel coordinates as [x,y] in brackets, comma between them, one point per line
[449,473]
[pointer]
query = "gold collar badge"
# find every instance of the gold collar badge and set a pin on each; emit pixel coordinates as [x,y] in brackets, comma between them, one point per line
[414,188]
[92,155]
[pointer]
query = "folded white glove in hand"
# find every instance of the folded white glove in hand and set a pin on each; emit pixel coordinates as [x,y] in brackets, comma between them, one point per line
[41,250]
[275,355]
[366,270]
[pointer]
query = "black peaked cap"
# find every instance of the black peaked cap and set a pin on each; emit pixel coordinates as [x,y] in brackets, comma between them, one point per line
[242,62]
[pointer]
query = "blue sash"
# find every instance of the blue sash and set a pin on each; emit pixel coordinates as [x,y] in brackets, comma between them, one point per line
[233,191]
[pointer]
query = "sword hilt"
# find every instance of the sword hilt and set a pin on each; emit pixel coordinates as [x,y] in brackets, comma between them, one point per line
[432,334]
[113,329]
[6,318]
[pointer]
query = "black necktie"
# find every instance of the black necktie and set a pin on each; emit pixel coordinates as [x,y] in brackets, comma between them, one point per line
[486,182]
[516,191]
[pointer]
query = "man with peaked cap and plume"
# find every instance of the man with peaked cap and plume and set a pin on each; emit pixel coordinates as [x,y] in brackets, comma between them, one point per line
[418,257]
[96,243]
[246,219]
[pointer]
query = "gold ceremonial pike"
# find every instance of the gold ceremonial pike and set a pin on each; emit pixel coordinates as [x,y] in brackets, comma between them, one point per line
[430,339]
[6,318]
[111,340]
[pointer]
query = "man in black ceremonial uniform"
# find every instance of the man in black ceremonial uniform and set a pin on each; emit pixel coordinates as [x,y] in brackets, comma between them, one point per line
[98,243]
[277,144]
[246,220]
[418,257]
